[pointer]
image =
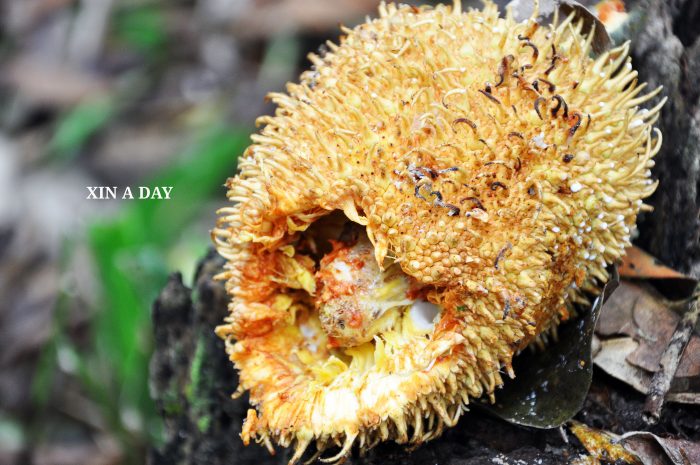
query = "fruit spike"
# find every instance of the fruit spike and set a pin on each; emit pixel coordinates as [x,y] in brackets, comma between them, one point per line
[496,163]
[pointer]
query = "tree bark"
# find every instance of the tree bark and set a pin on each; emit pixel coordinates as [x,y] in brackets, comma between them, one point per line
[191,377]
[666,51]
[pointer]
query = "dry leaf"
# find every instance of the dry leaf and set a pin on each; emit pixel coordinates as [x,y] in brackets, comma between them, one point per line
[679,451]
[523,9]
[290,16]
[612,359]
[638,264]
[643,318]
[602,445]
[55,85]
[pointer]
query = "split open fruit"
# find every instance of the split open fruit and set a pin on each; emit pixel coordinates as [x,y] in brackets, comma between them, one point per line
[433,196]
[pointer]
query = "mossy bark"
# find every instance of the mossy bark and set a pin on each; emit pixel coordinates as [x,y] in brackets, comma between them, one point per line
[192,379]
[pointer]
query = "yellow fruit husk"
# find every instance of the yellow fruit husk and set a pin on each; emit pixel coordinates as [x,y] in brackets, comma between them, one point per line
[495,161]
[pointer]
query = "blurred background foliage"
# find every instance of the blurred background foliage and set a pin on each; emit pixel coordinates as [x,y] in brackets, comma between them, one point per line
[119,93]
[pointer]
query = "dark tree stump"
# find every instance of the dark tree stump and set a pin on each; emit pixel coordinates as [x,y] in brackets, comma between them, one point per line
[192,378]
[666,51]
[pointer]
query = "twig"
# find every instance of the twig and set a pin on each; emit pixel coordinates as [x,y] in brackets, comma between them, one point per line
[564,437]
[661,382]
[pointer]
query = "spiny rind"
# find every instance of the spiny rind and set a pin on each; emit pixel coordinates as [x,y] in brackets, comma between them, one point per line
[496,161]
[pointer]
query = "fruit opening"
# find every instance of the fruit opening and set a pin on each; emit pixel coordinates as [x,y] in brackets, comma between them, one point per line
[348,313]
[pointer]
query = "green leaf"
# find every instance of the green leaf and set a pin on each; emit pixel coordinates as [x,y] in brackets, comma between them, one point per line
[130,254]
[79,124]
[143,28]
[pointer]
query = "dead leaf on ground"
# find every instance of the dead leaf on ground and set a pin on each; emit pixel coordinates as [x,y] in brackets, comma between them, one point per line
[602,445]
[290,16]
[523,9]
[634,328]
[54,85]
[649,448]
[634,448]
[104,451]
[638,264]
[611,358]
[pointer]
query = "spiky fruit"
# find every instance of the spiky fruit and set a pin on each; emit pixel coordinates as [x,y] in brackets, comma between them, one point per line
[496,163]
